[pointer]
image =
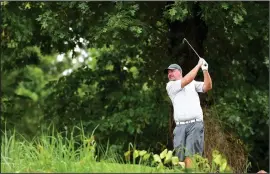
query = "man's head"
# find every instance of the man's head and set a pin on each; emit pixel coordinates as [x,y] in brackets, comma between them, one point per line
[174,72]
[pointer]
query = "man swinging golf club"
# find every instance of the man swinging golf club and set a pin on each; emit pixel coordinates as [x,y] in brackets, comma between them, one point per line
[188,116]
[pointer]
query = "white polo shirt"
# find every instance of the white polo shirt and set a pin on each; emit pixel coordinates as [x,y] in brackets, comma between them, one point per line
[186,101]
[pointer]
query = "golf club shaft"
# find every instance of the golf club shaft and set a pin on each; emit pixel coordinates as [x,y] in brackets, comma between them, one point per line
[191,47]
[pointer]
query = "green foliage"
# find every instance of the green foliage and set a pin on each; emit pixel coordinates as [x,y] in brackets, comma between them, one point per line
[149,158]
[120,84]
[218,164]
[238,54]
[166,158]
[243,106]
[61,152]
[57,152]
[178,11]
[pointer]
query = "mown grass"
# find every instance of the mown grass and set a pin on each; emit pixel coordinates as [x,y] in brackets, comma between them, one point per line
[60,153]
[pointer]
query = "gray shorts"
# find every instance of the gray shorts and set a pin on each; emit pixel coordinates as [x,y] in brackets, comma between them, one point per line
[188,139]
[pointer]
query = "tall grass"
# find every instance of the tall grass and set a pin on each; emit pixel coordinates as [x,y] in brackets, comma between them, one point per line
[69,152]
[58,152]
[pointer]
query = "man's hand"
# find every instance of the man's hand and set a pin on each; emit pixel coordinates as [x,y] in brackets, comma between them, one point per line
[200,62]
[204,65]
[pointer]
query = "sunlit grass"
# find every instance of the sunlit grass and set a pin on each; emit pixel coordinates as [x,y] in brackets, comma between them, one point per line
[56,152]
[59,153]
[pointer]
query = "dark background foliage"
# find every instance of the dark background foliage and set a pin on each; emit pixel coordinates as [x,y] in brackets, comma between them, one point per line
[120,85]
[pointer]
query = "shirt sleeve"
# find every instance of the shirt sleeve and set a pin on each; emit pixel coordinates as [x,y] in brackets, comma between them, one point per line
[199,86]
[173,87]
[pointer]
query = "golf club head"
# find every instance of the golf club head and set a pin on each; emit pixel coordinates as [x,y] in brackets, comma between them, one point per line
[183,45]
[183,41]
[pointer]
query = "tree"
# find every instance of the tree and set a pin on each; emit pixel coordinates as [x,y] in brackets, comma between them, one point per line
[122,88]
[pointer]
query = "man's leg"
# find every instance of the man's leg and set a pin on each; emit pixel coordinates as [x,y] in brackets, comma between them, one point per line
[194,142]
[179,141]
[188,162]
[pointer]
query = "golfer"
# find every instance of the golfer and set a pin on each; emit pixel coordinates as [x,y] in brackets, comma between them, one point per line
[188,116]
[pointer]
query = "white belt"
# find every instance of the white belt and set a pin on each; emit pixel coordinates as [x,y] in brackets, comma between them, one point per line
[186,122]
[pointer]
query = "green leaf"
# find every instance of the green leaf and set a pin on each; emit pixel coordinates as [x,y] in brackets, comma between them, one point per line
[224,5]
[135,154]
[223,165]
[127,155]
[142,152]
[216,157]
[163,154]
[175,160]
[158,23]
[131,129]
[146,156]
[168,157]
[172,11]
[27,6]
[160,166]
[238,19]
[157,158]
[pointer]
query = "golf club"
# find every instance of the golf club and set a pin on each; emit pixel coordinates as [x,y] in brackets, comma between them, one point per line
[190,46]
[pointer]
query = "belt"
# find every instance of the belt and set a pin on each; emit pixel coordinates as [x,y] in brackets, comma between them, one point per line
[186,122]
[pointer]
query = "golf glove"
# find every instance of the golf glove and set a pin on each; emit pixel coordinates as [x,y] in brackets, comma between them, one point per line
[204,66]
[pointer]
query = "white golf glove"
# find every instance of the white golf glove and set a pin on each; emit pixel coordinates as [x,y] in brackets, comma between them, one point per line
[204,66]
[201,61]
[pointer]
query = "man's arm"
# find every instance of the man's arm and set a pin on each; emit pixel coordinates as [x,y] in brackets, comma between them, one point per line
[206,77]
[207,81]
[192,74]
